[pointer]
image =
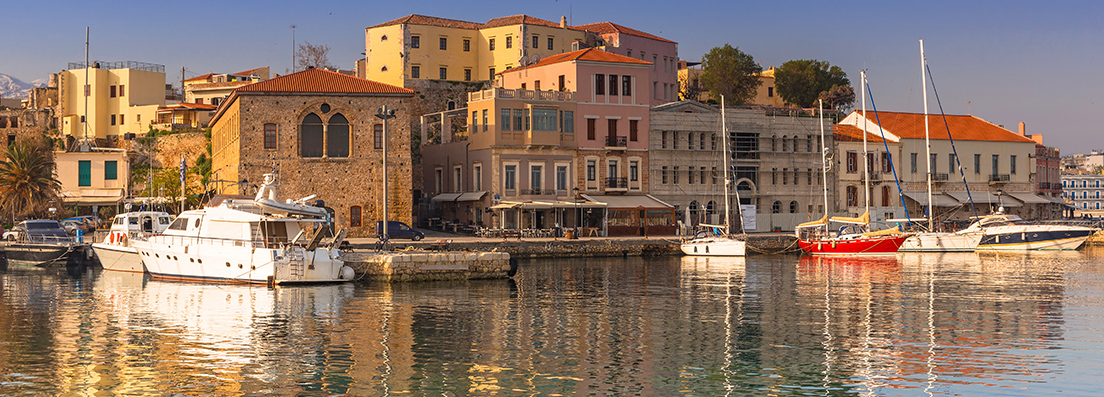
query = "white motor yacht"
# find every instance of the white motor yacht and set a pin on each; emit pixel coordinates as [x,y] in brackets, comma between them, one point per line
[113,246]
[248,241]
[1011,233]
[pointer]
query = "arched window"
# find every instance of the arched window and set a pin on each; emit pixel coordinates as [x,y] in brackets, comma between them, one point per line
[709,208]
[337,136]
[310,136]
[793,206]
[354,216]
[693,208]
[776,208]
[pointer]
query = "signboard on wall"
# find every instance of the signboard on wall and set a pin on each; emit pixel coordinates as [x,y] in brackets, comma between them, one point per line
[747,216]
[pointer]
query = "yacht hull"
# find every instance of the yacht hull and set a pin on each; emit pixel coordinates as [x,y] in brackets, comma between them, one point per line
[941,242]
[1034,238]
[119,258]
[878,245]
[716,246]
[238,262]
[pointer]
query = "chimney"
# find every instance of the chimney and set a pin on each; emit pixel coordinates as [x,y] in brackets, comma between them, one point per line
[1023,129]
[563,21]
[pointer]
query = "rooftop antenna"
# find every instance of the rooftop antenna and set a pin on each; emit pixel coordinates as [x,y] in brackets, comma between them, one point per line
[293,48]
[87,88]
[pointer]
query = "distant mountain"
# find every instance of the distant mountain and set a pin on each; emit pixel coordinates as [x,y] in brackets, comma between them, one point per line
[11,87]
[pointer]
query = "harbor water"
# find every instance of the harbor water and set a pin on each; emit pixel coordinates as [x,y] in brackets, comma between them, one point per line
[910,324]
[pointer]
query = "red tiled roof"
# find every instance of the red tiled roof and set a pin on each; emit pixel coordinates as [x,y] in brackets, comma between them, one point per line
[610,27]
[323,81]
[197,78]
[517,20]
[249,72]
[850,133]
[185,105]
[966,128]
[415,19]
[200,86]
[586,54]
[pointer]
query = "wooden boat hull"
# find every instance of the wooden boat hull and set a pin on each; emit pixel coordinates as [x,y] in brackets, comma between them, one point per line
[879,245]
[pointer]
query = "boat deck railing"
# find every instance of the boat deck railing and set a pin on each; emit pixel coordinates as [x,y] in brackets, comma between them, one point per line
[269,242]
[47,240]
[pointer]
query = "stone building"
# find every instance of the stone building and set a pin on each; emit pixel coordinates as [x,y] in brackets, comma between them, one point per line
[319,131]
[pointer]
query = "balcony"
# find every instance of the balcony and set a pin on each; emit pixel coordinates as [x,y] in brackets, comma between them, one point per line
[617,143]
[940,177]
[999,178]
[502,93]
[614,184]
[536,191]
[1044,185]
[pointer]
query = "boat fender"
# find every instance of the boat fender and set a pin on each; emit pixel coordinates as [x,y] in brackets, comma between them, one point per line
[513,267]
[833,244]
[112,238]
[346,273]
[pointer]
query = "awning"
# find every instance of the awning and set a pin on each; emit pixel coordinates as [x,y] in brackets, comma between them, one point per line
[505,205]
[92,196]
[645,201]
[982,198]
[578,204]
[938,199]
[471,196]
[536,205]
[1029,198]
[446,197]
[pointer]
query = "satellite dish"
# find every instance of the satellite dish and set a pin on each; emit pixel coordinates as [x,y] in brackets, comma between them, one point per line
[524,61]
[535,58]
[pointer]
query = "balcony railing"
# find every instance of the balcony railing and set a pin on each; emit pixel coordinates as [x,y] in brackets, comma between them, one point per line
[617,183]
[940,177]
[617,141]
[996,178]
[502,93]
[536,191]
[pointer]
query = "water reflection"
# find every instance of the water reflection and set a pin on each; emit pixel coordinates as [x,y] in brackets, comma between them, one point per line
[918,323]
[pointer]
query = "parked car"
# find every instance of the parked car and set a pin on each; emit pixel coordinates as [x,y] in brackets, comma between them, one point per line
[72,225]
[91,223]
[397,230]
[37,231]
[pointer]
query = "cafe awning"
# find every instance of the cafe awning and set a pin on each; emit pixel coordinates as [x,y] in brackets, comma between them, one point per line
[938,199]
[446,197]
[471,196]
[505,205]
[1029,198]
[981,198]
[622,202]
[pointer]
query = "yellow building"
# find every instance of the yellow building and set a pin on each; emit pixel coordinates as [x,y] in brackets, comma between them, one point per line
[121,97]
[418,47]
[688,75]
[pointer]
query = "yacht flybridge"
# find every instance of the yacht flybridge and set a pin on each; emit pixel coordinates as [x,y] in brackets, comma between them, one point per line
[249,241]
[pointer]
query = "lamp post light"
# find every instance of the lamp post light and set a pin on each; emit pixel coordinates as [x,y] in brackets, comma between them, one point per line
[384,114]
[578,212]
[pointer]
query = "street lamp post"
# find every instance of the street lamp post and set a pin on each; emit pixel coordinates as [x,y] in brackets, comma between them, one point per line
[578,212]
[384,114]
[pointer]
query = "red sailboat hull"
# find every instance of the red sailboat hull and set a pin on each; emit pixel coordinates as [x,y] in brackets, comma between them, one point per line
[853,246]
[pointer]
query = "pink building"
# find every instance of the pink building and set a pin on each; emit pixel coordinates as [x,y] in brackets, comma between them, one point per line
[662,53]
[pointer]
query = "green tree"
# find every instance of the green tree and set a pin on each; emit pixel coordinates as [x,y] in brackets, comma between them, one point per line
[730,72]
[801,82]
[27,183]
[839,97]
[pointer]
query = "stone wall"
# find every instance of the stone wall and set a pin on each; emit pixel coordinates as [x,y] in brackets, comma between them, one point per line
[429,266]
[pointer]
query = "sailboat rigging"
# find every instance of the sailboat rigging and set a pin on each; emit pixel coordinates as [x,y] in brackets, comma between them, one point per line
[709,242]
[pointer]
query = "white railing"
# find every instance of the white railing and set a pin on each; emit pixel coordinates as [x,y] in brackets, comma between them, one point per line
[502,93]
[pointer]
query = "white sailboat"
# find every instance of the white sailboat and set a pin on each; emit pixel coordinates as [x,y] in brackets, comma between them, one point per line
[961,241]
[247,241]
[709,242]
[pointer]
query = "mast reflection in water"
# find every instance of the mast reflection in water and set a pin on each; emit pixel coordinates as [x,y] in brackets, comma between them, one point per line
[918,323]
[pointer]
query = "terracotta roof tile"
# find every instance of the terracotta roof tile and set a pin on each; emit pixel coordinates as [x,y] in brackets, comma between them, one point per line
[323,81]
[185,105]
[415,19]
[518,20]
[200,86]
[198,78]
[610,27]
[966,128]
[249,72]
[850,133]
[586,54]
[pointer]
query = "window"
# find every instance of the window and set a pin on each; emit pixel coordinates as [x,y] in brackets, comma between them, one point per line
[611,169]
[690,176]
[113,91]
[477,178]
[113,119]
[467,45]
[475,121]
[535,172]
[714,175]
[467,74]
[525,119]
[415,72]
[886,166]
[511,177]
[457,179]
[562,86]
[634,126]
[655,89]
[600,84]
[613,84]
[784,172]
[951,167]
[509,41]
[591,170]
[885,195]
[611,127]
[701,142]
[793,207]
[492,74]
[504,123]
[977,163]
[634,170]
[354,216]
[776,208]
[852,160]
[1012,165]
[626,85]
[485,121]
[310,136]
[415,42]
[545,120]
[122,119]
[439,180]
[377,133]
[490,45]
[444,43]
[270,136]
[122,90]
[550,42]
[568,122]
[674,175]
[591,128]
[770,92]
[934,164]
[663,175]
[443,73]
[337,136]
[111,170]
[912,164]
[536,85]
[704,175]
[536,41]
[561,178]
[84,173]
[996,163]
[518,124]
[852,196]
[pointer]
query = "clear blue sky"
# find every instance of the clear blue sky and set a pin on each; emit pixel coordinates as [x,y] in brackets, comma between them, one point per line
[1036,62]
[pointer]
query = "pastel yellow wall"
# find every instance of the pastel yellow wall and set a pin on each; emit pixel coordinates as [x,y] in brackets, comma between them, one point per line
[226,148]
[144,91]
[431,58]
[390,53]
[68,165]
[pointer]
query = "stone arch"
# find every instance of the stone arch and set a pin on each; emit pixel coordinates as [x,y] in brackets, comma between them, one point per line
[337,136]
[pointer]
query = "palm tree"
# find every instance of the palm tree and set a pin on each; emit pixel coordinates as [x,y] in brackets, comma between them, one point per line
[27,183]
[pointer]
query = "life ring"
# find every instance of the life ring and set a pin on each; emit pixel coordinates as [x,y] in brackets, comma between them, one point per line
[112,238]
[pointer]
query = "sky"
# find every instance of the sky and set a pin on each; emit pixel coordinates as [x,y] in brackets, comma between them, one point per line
[1003,61]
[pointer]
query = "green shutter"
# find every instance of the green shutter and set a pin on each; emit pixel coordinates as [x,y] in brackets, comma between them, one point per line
[84,173]
[111,170]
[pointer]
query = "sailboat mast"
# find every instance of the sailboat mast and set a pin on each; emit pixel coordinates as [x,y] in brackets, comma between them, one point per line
[866,157]
[724,163]
[927,135]
[823,156]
